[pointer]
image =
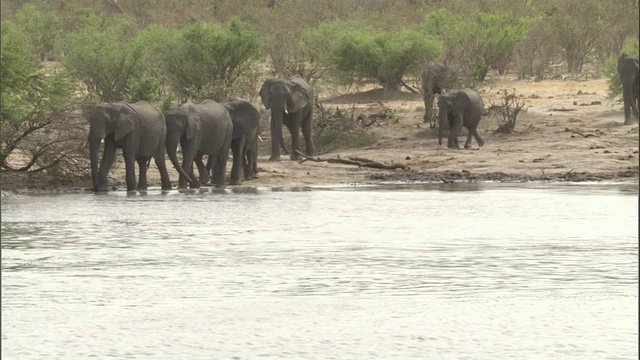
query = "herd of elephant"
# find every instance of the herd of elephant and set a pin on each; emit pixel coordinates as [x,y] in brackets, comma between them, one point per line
[209,128]
[214,128]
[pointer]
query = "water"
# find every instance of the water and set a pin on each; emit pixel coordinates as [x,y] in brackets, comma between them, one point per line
[396,272]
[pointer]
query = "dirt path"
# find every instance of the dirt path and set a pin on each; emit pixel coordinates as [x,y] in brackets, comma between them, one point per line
[570,132]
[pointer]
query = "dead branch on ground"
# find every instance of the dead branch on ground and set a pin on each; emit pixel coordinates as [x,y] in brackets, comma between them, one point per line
[358,161]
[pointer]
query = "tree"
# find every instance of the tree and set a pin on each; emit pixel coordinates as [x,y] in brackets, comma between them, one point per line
[478,42]
[359,51]
[576,26]
[44,30]
[105,60]
[32,108]
[205,60]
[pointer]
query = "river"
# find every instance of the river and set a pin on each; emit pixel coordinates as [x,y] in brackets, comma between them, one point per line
[448,271]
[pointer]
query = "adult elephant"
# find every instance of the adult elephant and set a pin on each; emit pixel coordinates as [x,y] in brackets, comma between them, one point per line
[291,103]
[200,129]
[460,108]
[628,70]
[139,130]
[436,79]
[246,121]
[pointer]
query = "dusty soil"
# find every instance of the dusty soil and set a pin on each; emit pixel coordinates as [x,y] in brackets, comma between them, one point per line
[569,132]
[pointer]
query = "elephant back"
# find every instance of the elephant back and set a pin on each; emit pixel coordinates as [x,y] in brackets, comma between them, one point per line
[216,127]
[152,128]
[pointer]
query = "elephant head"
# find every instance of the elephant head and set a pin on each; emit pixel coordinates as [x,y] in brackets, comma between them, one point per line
[283,96]
[182,121]
[108,119]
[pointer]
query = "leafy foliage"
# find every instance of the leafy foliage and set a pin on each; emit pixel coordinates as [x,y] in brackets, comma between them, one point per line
[43,29]
[356,51]
[106,60]
[204,60]
[477,43]
[31,108]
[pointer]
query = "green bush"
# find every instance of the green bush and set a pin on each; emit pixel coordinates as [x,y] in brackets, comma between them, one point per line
[356,51]
[43,29]
[204,60]
[29,103]
[610,68]
[477,43]
[106,60]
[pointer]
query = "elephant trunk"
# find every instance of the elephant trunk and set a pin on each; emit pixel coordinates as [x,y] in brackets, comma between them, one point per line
[94,148]
[172,150]
[277,113]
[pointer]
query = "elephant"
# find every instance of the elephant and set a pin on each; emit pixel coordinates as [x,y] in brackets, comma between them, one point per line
[200,129]
[436,78]
[460,108]
[138,129]
[243,112]
[291,103]
[246,121]
[628,70]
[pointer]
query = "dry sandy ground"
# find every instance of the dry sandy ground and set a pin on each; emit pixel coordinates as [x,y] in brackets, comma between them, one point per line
[588,142]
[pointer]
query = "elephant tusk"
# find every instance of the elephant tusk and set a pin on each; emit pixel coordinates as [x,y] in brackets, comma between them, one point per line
[286,111]
[259,138]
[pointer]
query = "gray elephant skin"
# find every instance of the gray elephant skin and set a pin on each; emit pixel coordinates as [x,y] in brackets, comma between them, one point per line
[291,103]
[436,78]
[139,130]
[244,142]
[629,70]
[460,108]
[200,129]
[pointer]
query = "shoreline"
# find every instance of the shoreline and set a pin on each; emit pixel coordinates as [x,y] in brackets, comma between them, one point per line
[406,177]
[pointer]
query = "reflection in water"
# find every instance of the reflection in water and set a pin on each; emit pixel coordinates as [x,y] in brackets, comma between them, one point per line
[482,272]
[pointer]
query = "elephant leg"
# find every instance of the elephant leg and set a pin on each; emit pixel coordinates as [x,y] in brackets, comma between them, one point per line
[108,157]
[247,161]
[219,169]
[306,132]
[454,131]
[203,177]
[293,124]
[162,168]
[626,97]
[130,162]
[478,138]
[142,168]
[283,145]
[237,146]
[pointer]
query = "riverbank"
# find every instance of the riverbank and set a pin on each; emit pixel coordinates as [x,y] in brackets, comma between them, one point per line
[570,131]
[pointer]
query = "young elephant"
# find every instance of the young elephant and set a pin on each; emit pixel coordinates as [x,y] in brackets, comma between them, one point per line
[460,108]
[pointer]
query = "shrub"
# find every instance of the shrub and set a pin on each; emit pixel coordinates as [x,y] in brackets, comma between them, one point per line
[341,130]
[33,110]
[357,51]
[204,60]
[507,111]
[43,29]
[106,60]
[477,43]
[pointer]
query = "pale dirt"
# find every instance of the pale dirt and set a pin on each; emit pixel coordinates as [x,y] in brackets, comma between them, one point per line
[543,146]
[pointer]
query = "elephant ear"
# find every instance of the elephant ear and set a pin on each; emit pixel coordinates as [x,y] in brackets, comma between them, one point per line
[125,121]
[298,99]
[265,93]
[193,122]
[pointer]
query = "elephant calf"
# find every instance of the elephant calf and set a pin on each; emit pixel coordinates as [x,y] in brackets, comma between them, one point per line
[460,108]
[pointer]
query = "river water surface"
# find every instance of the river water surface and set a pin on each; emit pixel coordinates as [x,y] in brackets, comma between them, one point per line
[390,272]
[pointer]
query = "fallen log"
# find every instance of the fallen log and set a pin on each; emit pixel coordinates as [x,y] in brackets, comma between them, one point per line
[358,161]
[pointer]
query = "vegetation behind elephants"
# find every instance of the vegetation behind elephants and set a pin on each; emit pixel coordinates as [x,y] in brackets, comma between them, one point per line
[364,59]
